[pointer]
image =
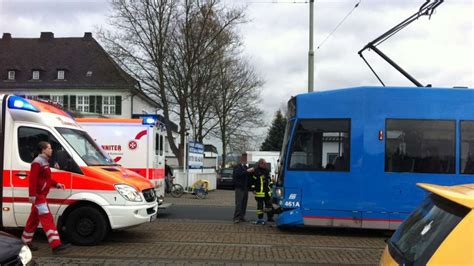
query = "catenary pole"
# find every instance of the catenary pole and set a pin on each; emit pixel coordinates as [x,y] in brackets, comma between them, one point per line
[311,51]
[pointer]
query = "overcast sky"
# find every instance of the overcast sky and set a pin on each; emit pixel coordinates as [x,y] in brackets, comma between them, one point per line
[438,51]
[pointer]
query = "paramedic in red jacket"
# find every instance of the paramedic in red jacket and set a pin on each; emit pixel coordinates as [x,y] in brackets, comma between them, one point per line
[40,183]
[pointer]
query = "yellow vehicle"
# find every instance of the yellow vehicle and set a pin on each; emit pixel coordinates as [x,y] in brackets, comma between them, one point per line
[439,232]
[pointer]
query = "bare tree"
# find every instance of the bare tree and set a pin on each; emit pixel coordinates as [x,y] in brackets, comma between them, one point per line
[164,44]
[206,32]
[140,43]
[237,108]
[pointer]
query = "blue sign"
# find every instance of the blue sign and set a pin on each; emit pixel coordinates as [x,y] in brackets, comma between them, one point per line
[195,155]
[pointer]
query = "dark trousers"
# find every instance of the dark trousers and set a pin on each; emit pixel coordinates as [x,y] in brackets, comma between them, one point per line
[167,185]
[268,204]
[241,198]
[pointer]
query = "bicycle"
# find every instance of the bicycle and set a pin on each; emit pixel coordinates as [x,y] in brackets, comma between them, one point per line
[176,190]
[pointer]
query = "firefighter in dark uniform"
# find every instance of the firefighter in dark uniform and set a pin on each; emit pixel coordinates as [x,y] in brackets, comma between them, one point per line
[262,187]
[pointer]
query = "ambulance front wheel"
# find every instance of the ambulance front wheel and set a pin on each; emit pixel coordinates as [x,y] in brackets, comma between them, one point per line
[86,226]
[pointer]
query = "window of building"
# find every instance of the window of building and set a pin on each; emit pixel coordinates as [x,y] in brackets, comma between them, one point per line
[467,147]
[36,75]
[331,157]
[61,74]
[11,75]
[420,146]
[57,99]
[108,105]
[317,140]
[44,97]
[32,97]
[82,103]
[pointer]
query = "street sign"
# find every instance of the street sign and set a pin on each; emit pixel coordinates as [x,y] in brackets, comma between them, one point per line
[195,155]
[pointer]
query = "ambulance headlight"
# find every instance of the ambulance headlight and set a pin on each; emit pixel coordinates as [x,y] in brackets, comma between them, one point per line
[128,192]
[25,255]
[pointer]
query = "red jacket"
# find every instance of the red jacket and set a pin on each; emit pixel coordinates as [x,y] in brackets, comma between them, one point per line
[40,177]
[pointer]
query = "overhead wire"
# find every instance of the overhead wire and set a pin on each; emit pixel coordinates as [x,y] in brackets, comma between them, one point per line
[338,25]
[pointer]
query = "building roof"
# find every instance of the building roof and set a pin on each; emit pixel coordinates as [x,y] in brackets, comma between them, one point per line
[85,62]
[210,148]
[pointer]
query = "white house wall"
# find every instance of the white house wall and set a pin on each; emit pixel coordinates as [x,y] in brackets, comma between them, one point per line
[140,106]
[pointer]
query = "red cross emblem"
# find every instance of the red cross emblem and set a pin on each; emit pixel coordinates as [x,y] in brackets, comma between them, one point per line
[132,145]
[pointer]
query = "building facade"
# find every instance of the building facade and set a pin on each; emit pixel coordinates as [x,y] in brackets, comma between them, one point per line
[74,72]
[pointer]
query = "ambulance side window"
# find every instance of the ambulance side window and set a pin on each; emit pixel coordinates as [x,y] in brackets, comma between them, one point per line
[159,145]
[28,139]
[162,150]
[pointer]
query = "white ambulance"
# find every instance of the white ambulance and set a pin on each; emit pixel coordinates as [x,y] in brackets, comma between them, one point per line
[136,144]
[99,195]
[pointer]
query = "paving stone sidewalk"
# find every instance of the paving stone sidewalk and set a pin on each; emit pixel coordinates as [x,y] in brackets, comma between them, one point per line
[208,242]
[218,197]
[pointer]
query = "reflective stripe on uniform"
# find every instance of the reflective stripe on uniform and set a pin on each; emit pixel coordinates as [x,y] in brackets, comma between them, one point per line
[28,234]
[26,239]
[51,232]
[52,238]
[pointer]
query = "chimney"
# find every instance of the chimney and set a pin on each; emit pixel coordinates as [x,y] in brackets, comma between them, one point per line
[87,36]
[46,36]
[7,36]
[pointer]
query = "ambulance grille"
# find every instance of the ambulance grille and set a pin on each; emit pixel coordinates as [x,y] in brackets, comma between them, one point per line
[149,195]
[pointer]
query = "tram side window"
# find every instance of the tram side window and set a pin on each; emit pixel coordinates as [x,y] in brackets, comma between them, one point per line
[321,145]
[467,147]
[420,146]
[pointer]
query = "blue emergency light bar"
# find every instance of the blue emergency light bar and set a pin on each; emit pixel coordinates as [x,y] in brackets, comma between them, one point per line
[149,121]
[16,102]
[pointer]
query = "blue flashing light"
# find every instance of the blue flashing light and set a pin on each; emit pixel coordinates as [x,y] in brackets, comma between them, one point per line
[149,121]
[16,102]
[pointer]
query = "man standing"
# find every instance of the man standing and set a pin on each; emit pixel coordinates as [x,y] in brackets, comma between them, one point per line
[262,186]
[168,176]
[241,176]
[40,183]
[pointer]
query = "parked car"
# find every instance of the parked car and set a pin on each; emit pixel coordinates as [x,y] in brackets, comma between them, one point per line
[13,251]
[224,178]
[439,232]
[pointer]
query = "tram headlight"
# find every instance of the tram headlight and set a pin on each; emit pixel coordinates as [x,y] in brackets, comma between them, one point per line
[128,192]
[279,192]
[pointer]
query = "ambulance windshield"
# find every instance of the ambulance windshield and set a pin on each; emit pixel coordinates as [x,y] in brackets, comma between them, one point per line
[83,144]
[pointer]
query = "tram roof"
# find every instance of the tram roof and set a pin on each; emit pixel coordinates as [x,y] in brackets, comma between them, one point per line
[401,102]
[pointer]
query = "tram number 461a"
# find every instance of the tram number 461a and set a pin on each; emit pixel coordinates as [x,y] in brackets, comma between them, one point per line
[292,204]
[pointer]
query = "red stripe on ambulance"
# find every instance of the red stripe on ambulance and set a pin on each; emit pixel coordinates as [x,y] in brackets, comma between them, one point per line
[140,134]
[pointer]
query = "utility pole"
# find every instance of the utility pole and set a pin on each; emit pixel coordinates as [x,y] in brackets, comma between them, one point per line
[311,51]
